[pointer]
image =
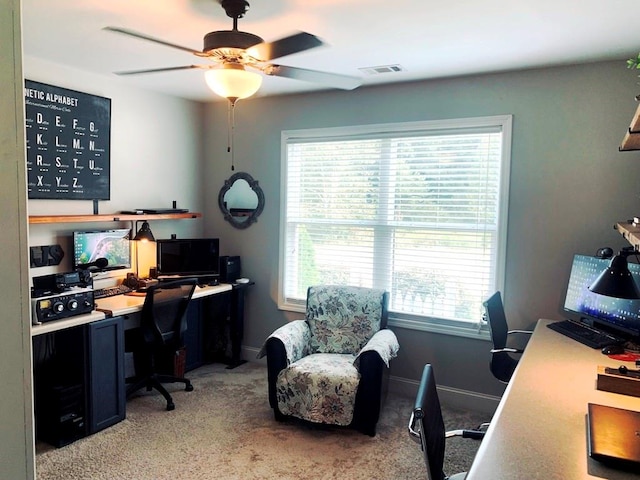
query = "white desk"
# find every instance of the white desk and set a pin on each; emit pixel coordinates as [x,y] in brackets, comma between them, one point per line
[539,428]
[69,322]
[116,306]
[126,304]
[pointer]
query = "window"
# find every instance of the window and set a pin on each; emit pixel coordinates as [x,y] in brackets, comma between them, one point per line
[418,209]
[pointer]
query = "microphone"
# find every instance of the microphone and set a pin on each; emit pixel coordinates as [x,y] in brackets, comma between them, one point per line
[99,263]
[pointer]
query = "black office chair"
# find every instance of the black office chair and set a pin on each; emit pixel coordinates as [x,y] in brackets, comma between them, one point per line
[161,336]
[502,364]
[426,426]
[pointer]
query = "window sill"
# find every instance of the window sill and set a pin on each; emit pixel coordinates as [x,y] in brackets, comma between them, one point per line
[444,329]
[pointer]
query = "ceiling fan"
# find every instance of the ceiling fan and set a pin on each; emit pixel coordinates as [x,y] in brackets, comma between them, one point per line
[234,54]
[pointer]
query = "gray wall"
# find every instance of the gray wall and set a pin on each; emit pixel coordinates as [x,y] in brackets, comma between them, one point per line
[569,185]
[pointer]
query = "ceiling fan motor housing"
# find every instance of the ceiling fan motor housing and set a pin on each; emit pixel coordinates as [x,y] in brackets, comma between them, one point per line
[230,39]
[235,8]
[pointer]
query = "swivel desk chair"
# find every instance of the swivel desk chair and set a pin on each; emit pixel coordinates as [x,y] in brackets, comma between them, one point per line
[161,335]
[426,426]
[502,364]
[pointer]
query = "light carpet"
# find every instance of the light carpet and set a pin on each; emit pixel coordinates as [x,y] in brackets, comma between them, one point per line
[225,429]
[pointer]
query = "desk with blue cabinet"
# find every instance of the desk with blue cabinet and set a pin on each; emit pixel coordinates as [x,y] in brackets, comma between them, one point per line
[79,362]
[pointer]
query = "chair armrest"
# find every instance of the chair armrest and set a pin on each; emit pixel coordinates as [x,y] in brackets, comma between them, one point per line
[506,350]
[295,337]
[473,434]
[284,346]
[384,343]
[526,332]
[511,349]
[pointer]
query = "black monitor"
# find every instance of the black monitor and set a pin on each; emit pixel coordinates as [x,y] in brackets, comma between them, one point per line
[194,257]
[616,315]
[112,245]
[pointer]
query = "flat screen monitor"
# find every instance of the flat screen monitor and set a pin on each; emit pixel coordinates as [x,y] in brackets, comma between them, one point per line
[194,257]
[112,245]
[620,316]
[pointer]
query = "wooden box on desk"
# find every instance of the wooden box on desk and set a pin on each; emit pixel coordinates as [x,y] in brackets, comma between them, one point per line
[617,383]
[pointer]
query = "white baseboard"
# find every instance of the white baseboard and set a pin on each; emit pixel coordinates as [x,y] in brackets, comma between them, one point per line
[452,397]
[250,354]
[449,396]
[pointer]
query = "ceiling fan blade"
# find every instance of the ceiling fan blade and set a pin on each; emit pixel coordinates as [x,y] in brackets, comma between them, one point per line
[155,70]
[298,42]
[142,36]
[334,80]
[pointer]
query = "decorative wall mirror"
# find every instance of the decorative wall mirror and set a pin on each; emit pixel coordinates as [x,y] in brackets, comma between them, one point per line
[241,200]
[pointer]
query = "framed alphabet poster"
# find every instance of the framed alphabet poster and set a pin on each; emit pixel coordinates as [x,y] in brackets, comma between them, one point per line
[68,140]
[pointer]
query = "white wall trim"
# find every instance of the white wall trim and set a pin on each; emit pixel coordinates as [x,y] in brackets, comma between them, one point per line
[449,396]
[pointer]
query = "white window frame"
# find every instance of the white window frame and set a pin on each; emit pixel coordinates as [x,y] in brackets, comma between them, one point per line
[415,322]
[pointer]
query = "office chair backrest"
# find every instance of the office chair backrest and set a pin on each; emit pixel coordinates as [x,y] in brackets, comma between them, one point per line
[164,312]
[497,320]
[426,421]
[502,365]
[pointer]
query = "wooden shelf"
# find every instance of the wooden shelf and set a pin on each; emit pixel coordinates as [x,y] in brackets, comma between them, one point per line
[630,232]
[113,217]
[631,140]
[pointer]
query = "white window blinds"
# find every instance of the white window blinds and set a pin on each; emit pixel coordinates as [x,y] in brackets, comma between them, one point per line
[416,209]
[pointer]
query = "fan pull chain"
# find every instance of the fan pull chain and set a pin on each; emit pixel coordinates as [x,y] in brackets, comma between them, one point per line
[230,131]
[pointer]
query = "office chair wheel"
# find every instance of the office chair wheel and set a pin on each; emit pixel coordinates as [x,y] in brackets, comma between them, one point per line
[188,387]
[171,406]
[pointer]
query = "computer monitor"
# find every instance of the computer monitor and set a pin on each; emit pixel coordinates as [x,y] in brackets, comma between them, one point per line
[616,315]
[194,257]
[112,245]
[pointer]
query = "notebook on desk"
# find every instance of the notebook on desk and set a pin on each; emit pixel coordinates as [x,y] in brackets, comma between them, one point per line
[613,435]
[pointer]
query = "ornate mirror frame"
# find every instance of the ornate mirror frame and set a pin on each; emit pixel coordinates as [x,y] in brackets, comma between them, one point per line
[247,220]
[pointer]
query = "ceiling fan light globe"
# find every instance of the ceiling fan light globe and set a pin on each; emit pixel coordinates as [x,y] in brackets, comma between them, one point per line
[233,82]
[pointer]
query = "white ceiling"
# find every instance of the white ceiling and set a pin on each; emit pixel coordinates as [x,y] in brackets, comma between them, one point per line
[428,38]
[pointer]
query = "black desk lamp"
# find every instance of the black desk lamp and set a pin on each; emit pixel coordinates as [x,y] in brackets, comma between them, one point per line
[144,234]
[616,280]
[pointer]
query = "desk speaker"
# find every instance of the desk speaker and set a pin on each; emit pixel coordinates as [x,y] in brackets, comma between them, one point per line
[230,269]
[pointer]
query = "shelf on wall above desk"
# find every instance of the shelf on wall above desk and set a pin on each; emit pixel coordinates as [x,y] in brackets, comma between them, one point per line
[630,232]
[113,217]
[631,140]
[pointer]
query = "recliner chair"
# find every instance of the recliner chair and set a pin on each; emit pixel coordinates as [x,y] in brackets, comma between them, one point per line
[502,364]
[329,368]
[161,336]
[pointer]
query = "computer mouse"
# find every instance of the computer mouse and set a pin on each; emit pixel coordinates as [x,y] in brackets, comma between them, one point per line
[613,350]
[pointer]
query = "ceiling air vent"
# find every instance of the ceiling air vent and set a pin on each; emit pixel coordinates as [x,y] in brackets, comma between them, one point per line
[382,69]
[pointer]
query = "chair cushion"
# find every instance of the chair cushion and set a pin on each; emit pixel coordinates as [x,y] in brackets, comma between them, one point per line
[342,319]
[323,388]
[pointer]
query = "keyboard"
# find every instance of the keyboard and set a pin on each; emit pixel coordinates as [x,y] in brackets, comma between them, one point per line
[584,333]
[111,291]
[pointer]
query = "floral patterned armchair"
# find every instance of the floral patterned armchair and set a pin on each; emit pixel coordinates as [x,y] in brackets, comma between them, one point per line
[329,367]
